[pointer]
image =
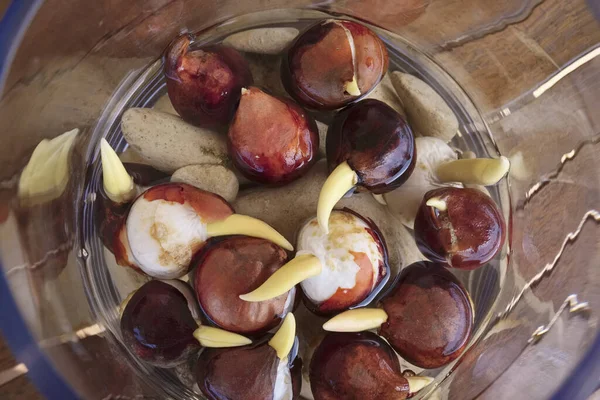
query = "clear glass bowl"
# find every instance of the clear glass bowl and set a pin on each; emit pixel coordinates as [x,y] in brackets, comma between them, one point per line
[521,76]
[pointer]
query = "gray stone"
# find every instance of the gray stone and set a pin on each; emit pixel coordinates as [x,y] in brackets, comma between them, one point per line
[427,112]
[286,208]
[212,178]
[322,138]
[384,91]
[262,40]
[125,279]
[131,156]
[266,73]
[164,104]
[402,249]
[404,201]
[168,143]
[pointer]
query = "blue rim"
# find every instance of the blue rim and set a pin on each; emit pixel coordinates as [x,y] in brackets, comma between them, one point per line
[13,327]
[585,378]
[12,25]
[582,381]
[26,350]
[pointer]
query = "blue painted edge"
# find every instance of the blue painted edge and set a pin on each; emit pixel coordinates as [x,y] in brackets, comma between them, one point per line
[14,329]
[585,377]
[25,348]
[11,28]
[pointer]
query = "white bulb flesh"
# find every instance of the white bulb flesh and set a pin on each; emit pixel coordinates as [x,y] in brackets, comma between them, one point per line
[125,242]
[283,382]
[347,234]
[404,201]
[163,236]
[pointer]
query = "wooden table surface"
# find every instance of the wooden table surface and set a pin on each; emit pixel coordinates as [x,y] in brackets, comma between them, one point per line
[20,388]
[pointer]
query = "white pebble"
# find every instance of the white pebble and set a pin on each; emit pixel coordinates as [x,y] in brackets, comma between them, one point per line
[385,92]
[262,40]
[164,104]
[168,143]
[402,249]
[126,279]
[427,112]
[131,156]
[404,201]
[212,178]
[322,138]
[518,166]
[287,208]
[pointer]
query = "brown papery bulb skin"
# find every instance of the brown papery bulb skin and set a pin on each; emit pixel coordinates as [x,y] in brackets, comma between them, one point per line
[356,366]
[430,315]
[204,84]
[467,235]
[272,140]
[320,62]
[377,143]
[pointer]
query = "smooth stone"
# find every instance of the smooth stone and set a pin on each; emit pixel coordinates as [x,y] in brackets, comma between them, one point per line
[402,249]
[168,143]
[126,279]
[164,104]
[385,92]
[212,178]
[468,155]
[518,167]
[425,108]
[262,40]
[265,70]
[404,201]
[287,208]
[131,156]
[322,138]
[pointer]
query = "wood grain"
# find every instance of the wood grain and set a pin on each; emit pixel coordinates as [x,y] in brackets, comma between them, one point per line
[20,388]
[500,66]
